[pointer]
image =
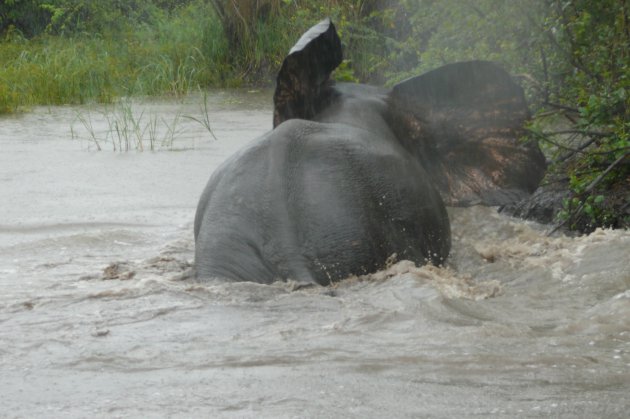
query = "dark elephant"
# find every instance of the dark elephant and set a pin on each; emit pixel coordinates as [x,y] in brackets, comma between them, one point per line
[353,174]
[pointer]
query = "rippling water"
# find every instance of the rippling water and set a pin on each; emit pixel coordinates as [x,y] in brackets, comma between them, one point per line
[98,315]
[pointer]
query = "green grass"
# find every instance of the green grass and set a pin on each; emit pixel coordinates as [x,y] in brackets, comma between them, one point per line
[176,53]
[179,54]
[173,53]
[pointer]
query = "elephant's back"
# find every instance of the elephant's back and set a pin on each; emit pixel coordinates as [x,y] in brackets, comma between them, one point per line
[356,198]
[316,202]
[231,218]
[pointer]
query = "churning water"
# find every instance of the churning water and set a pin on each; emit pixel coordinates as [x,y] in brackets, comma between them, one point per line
[99,318]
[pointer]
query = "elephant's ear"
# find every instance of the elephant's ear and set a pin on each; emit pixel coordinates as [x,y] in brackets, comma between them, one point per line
[464,121]
[303,87]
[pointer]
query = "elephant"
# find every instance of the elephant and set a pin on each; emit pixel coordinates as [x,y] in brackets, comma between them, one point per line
[354,176]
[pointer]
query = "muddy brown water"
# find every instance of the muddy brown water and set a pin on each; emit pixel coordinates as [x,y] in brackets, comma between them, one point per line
[99,319]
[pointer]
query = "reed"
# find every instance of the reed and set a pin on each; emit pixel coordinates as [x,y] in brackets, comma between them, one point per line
[123,126]
[205,119]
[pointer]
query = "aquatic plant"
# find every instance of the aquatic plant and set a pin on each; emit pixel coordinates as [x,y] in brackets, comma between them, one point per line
[205,118]
[125,127]
[134,125]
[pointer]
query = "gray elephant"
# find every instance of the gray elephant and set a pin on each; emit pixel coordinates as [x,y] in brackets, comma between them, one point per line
[353,174]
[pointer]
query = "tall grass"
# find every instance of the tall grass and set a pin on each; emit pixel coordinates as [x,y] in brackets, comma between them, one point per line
[178,54]
[124,127]
[130,125]
[174,52]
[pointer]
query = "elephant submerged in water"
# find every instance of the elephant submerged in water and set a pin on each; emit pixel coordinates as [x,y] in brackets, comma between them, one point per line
[353,174]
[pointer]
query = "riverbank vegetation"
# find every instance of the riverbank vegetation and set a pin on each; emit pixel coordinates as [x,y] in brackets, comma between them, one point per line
[571,56]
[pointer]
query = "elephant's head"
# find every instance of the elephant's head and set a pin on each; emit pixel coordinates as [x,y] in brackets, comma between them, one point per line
[463,121]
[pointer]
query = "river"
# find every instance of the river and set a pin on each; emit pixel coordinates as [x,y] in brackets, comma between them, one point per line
[99,317]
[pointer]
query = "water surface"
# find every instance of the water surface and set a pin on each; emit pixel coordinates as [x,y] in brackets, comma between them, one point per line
[99,318]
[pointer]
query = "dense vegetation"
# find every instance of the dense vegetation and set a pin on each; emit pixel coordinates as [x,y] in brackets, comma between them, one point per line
[572,57]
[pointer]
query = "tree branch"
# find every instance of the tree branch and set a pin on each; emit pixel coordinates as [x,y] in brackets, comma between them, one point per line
[558,106]
[588,189]
[605,172]
[577,131]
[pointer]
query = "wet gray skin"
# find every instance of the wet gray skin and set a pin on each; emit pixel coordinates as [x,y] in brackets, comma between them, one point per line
[316,201]
[352,176]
